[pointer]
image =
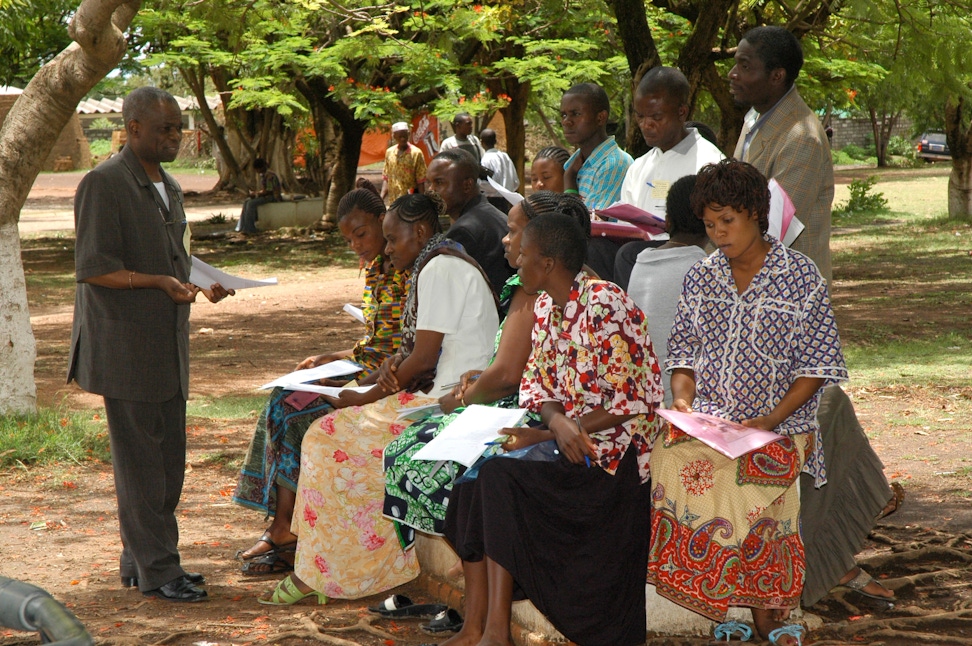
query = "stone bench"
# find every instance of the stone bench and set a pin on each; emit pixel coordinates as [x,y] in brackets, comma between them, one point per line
[664,617]
[290,213]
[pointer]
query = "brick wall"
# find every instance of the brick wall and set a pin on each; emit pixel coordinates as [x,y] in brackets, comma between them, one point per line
[70,152]
[858,131]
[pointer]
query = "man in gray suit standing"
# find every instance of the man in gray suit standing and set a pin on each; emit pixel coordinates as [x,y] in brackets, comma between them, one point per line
[130,338]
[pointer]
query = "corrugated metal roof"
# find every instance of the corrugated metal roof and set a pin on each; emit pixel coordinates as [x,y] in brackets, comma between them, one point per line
[114,106]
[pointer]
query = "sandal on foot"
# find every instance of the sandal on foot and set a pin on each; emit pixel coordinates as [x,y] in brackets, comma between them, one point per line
[266,564]
[287,594]
[728,629]
[859,582]
[897,499]
[274,548]
[398,605]
[448,620]
[793,630]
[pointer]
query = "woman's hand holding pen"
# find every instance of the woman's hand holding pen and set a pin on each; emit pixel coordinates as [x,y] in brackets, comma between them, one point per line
[457,396]
[574,442]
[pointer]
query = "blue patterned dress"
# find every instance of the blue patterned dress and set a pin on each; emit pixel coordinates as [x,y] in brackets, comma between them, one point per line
[726,532]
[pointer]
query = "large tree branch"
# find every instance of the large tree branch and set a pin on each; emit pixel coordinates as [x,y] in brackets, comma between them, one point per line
[37,118]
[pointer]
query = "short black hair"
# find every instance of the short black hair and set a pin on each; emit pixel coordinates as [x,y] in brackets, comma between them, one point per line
[559,237]
[362,199]
[460,116]
[419,207]
[705,131]
[735,184]
[488,137]
[776,47]
[260,164]
[464,162]
[594,94]
[678,208]
[142,100]
[667,80]
[555,153]
[543,202]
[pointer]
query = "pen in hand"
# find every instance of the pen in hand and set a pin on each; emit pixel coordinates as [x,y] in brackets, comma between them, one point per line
[587,460]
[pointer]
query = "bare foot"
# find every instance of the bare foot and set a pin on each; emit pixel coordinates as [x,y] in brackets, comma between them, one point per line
[467,636]
[455,571]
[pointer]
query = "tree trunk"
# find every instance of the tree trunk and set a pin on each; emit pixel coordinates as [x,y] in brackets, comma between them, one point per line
[230,175]
[513,115]
[958,131]
[26,138]
[641,54]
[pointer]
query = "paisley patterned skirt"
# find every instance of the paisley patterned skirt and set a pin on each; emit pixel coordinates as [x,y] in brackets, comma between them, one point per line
[726,532]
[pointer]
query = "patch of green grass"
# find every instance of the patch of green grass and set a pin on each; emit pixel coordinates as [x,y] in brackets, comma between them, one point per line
[226,408]
[53,435]
[221,459]
[941,360]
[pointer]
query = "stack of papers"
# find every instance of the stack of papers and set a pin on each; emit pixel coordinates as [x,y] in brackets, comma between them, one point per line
[327,371]
[648,222]
[203,275]
[726,437]
[467,437]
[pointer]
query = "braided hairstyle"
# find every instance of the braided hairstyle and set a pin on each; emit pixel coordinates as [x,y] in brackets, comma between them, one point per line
[420,207]
[363,200]
[555,153]
[543,202]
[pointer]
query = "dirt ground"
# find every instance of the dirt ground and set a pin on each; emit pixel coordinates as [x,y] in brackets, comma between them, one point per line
[59,529]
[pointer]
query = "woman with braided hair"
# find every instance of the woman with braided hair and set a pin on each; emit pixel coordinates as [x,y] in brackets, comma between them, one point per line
[547,170]
[417,492]
[268,479]
[345,548]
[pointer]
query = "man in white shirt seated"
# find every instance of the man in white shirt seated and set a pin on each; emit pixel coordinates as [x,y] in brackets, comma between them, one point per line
[661,105]
[503,171]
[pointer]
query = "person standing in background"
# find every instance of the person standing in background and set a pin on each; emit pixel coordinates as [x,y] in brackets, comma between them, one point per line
[503,171]
[404,170]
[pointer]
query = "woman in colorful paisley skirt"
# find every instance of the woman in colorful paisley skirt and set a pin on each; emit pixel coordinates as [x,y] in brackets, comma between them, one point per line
[754,341]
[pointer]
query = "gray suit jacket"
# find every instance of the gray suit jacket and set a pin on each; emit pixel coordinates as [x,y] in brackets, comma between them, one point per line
[791,147]
[130,345]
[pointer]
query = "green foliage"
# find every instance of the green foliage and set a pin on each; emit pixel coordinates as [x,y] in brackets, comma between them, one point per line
[100,147]
[52,435]
[217,218]
[901,146]
[32,32]
[861,199]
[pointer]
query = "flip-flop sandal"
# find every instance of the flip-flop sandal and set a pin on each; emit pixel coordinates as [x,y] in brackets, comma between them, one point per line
[793,630]
[725,631]
[859,582]
[398,605]
[897,499]
[448,620]
[266,564]
[287,594]
[274,548]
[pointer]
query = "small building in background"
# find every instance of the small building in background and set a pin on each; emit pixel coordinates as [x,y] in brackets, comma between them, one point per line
[70,152]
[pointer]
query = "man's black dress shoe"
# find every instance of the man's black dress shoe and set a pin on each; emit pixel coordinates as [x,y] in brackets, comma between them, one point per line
[132,581]
[180,589]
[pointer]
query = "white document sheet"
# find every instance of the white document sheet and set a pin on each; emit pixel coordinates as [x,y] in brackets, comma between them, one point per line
[203,275]
[415,413]
[354,312]
[512,197]
[466,438]
[327,371]
[333,391]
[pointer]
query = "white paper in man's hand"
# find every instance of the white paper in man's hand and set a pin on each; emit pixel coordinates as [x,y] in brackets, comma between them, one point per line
[203,275]
[326,371]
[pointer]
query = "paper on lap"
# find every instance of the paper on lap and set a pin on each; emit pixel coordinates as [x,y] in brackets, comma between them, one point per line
[326,371]
[415,413]
[726,437]
[332,391]
[464,440]
[203,275]
[636,216]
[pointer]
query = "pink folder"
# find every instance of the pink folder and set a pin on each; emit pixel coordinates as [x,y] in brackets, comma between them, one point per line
[726,437]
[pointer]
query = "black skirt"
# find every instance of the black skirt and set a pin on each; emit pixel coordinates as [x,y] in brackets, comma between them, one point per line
[574,538]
